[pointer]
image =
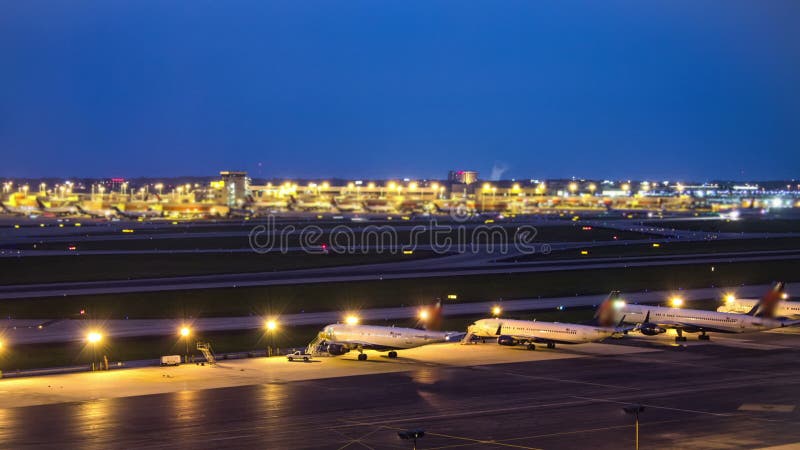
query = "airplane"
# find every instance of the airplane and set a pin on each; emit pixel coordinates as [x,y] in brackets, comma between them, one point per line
[138,214]
[347,205]
[340,338]
[379,207]
[309,206]
[513,332]
[98,213]
[21,210]
[653,320]
[65,210]
[732,304]
[234,213]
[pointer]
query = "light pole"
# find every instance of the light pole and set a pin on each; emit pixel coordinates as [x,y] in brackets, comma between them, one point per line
[411,435]
[635,410]
[94,338]
[185,333]
[271,326]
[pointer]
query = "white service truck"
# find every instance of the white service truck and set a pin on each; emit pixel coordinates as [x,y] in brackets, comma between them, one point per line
[298,356]
[171,360]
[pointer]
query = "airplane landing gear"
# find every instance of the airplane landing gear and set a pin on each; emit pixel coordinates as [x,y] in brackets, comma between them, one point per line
[531,347]
[362,356]
[680,337]
[392,355]
[551,345]
[704,337]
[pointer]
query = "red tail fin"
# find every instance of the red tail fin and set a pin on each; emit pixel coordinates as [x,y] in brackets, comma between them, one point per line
[768,304]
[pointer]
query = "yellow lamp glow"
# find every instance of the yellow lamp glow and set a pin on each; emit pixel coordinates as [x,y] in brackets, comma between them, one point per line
[351,320]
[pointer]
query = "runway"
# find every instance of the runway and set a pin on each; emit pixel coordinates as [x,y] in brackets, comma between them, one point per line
[705,396]
[27,331]
[430,268]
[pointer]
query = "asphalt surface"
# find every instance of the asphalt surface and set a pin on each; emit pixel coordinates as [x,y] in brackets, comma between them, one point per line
[436,267]
[27,331]
[733,393]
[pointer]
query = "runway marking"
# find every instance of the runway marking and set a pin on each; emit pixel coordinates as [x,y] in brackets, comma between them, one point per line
[562,380]
[587,430]
[357,440]
[460,438]
[603,400]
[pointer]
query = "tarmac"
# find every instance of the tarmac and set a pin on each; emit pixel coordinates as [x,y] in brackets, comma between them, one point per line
[736,391]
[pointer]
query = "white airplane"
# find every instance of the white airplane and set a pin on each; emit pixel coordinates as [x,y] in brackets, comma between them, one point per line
[347,205]
[65,210]
[98,213]
[314,205]
[786,309]
[144,214]
[379,207]
[21,210]
[340,338]
[531,332]
[653,320]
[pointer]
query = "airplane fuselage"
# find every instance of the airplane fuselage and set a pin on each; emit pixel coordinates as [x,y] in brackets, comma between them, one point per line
[697,320]
[536,331]
[383,338]
[743,306]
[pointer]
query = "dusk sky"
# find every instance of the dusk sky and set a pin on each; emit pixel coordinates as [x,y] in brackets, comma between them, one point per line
[600,89]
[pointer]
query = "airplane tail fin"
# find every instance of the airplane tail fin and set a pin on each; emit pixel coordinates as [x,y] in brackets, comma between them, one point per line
[432,316]
[768,304]
[604,316]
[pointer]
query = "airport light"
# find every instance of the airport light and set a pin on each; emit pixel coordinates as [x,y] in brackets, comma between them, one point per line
[271,325]
[784,296]
[676,302]
[185,333]
[592,187]
[618,303]
[730,299]
[573,187]
[424,315]
[351,320]
[635,410]
[94,337]
[626,187]
[497,310]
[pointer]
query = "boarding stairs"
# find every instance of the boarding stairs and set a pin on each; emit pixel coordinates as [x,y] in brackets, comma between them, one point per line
[317,347]
[208,353]
[468,339]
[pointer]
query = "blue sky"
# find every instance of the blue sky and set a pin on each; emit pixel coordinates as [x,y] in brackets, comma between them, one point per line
[618,89]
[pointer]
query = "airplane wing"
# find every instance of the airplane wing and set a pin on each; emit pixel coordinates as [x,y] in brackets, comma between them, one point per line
[685,326]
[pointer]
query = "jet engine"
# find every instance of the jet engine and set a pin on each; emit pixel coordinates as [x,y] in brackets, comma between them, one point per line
[337,349]
[506,340]
[651,329]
